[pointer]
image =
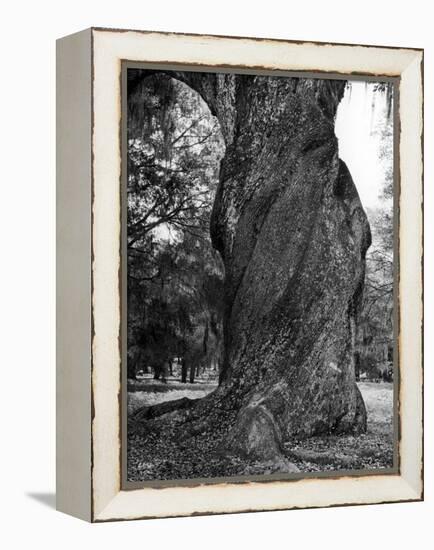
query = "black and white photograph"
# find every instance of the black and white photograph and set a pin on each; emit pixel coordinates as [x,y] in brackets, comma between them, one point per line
[218,247]
[259,280]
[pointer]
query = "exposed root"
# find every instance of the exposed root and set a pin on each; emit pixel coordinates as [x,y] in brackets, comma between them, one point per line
[257,436]
[154,411]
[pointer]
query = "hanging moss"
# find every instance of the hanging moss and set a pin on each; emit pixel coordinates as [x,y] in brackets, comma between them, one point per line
[386,88]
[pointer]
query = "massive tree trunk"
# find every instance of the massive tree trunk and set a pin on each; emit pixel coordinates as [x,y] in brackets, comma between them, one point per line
[293,235]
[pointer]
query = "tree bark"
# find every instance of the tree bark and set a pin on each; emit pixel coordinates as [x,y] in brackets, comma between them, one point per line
[192,372]
[183,371]
[293,235]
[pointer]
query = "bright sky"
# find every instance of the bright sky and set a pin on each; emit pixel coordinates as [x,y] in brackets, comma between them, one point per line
[358,148]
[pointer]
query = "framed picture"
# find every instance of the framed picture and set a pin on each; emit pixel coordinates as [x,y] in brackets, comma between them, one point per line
[239,281]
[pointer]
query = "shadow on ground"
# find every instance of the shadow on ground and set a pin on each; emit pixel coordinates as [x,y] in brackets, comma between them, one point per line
[46,499]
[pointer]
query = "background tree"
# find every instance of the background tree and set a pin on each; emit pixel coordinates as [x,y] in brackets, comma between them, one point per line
[375,327]
[174,275]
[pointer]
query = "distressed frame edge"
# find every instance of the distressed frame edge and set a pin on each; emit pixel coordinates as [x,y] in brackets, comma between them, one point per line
[411,291]
[251,38]
[109,514]
[73,275]
[410,492]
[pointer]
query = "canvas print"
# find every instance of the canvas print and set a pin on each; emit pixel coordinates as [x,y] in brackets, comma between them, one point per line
[259,275]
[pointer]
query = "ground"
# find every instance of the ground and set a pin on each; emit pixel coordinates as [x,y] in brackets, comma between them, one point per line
[151,456]
[147,392]
[373,450]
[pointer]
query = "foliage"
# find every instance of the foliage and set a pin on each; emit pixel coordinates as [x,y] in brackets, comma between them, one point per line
[174,275]
[153,456]
[375,328]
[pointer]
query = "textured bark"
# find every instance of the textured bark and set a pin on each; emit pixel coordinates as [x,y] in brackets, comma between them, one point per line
[293,235]
[184,371]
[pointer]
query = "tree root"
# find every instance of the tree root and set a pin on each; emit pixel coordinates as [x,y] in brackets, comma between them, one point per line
[154,411]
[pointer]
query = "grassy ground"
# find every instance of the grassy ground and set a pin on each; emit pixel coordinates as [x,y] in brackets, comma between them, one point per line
[373,450]
[145,392]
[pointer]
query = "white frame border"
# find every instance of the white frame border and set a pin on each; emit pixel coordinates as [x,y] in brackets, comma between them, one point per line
[109,48]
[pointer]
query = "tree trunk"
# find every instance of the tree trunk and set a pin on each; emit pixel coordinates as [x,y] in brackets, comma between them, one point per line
[192,372]
[183,371]
[293,236]
[131,369]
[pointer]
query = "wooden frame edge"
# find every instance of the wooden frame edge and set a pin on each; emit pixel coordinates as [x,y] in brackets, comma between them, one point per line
[414,492]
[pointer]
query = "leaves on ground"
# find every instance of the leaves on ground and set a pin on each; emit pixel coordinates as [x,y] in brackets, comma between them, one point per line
[155,453]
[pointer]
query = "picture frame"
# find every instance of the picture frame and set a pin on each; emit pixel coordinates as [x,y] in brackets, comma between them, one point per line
[90,301]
